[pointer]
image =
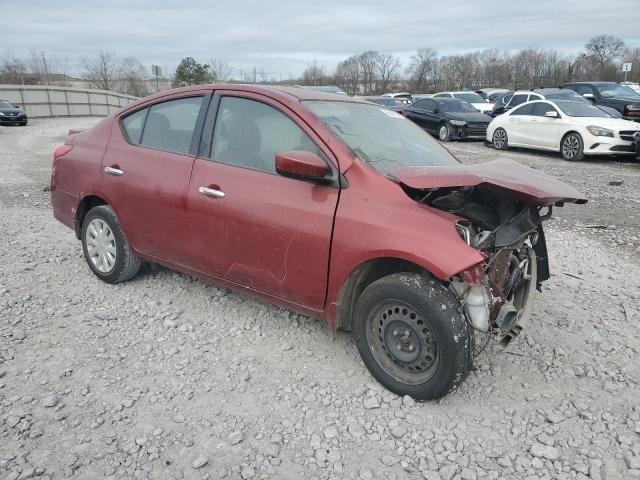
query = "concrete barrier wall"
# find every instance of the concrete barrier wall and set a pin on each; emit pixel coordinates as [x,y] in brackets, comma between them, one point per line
[40,101]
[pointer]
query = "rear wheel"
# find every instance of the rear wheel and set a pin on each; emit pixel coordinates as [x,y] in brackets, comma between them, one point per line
[572,147]
[412,337]
[105,246]
[444,133]
[500,139]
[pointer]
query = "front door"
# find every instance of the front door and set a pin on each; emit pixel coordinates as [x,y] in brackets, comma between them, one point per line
[247,223]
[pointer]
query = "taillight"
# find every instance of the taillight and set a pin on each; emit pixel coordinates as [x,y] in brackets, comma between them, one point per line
[61,151]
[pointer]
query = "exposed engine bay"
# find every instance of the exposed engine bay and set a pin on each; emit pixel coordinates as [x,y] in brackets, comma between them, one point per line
[497,296]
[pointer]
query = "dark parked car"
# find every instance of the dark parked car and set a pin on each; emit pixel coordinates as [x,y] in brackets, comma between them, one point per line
[11,114]
[326,204]
[568,94]
[448,118]
[610,94]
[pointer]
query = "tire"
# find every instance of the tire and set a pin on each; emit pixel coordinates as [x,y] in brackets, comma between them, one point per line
[444,132]
[24,124]
[105,247]
[405,310]
[500,139]
[572,147]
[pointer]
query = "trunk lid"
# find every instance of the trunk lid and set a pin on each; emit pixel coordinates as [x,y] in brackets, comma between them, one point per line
[532,186]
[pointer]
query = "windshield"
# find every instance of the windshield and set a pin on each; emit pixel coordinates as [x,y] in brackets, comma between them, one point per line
[380,137]
[580,109]
[615,90]
[453,106]
[566,96]
[5,104]
[469,97]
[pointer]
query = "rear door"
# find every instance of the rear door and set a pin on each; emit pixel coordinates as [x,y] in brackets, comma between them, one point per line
[422,113]
[146,170]
[260,229]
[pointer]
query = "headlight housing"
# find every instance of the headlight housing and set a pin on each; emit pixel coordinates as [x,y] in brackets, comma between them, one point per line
[632,107]
[599,131]
[458,123]
[1,114]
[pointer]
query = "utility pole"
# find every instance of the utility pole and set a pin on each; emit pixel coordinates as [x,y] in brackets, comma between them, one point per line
[44,65]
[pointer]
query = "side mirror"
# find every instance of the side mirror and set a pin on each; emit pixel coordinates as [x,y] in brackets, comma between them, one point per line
[551,114]
[436,110]
[301,165]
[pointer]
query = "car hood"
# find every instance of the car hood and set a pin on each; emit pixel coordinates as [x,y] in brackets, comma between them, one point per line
[610,123]
[468,116]
[623,99]
[483,107]
[532,186]
[10,110]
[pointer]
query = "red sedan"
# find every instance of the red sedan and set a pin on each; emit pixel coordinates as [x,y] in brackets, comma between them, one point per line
[329,205]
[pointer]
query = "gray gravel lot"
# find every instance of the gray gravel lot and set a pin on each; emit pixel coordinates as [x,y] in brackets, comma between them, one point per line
[169,377]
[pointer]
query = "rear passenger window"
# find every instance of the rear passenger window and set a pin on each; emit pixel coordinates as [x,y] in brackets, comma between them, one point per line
[249,133]
[132,125]
[517,100]
[524,110]
[170,125]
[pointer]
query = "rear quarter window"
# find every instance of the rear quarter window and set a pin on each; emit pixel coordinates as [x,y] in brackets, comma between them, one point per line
[132,125]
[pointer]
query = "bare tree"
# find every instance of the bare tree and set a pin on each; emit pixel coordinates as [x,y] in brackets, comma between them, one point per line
[388,68]
[314,75]
[368,68]
[102,70]
[220,69]
[12,69]
[133,77]
[348,75]
[422,70]
[602,50]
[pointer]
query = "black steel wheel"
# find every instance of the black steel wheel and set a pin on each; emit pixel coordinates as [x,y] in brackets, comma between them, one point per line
[412,336]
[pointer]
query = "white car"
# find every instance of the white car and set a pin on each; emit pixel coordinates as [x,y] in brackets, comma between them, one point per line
[473,98]
[574,129]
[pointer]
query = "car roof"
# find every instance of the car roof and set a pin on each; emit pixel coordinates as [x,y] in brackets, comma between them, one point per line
[590,83]
[285,93]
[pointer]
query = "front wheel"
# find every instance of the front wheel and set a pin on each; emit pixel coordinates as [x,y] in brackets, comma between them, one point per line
[412,336]
[572,147]
[444,134]
[500,139]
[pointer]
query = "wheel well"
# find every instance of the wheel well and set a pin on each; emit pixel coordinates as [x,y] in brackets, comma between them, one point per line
[361,278]
[86,204]
[567,133]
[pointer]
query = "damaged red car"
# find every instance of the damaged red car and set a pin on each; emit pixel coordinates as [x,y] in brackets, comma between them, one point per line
[328,205]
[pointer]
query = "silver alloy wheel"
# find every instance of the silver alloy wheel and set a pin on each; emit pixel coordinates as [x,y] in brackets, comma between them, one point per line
[101,245]
[499,138]
[570,147]
[444,132]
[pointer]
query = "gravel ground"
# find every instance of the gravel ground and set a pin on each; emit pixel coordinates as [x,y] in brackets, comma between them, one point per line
[169,377]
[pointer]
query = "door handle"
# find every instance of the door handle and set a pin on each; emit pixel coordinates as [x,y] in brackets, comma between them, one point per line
[211,192]
[534,119]
[114,171]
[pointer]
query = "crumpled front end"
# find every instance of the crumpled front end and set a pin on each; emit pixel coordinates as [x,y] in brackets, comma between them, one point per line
[501,205]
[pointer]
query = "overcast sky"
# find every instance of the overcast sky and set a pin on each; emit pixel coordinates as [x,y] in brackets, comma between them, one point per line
[283,37]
